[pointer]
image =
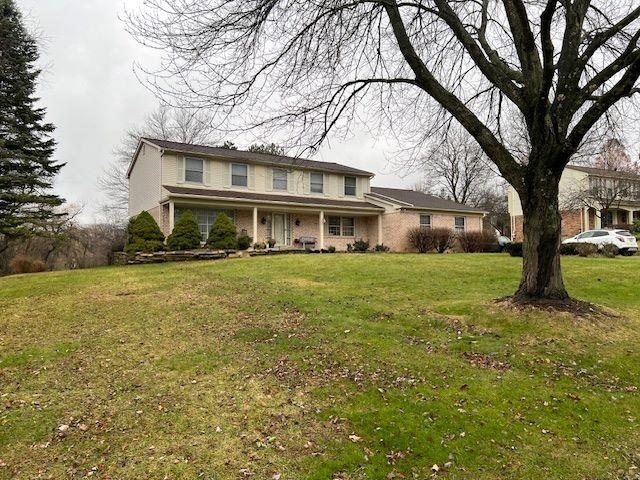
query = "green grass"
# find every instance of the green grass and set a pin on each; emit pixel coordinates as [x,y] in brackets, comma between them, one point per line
[318,367]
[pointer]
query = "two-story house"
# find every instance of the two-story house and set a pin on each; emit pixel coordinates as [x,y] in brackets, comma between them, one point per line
[281,198]
[590,198]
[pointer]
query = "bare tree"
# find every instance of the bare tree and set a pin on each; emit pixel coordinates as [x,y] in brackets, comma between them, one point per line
[529,80]
[166,123]
[456,168]
[614,156]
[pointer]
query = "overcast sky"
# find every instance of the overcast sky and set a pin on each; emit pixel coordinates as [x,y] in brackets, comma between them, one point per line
[92,96]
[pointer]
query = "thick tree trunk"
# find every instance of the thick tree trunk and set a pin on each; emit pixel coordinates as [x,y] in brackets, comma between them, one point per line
[541,273]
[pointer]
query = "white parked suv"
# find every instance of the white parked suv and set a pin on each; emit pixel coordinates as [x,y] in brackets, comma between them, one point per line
[626,243]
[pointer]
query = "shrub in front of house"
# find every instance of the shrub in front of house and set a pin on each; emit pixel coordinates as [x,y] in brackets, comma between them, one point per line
[569,249]
[420,239]
[514,249]
[143,234]
[223,234]
[331,249]
[26,264]
[244,242]
[474,242]
[586,249]
[381,247]
[442,239]
[186,233]
[609,250]
[360,246]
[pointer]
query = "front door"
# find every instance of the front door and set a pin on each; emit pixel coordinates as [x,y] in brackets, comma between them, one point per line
[279,228]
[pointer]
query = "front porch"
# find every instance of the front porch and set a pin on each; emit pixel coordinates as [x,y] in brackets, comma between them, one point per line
[287,227]
[606,218]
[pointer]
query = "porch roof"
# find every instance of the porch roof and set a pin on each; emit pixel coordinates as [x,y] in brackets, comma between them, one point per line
[252,198]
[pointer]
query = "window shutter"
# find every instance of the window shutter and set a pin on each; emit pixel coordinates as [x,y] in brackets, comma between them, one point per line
[307,183]
[340,182]
[269,180]
[291,188]
[359,187]
[325,185]
[251,181]
[227,177]
[180,169]
[207,172]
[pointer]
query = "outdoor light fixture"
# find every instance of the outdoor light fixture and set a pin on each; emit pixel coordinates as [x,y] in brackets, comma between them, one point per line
[297,222]
[263,220]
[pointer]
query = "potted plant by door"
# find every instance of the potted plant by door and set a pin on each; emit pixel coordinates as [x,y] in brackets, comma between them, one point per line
[271,242]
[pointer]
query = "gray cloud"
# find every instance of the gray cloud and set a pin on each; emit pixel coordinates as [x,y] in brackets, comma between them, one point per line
[92,95]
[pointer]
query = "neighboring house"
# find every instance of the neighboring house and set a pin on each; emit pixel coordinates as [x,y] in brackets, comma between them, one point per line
[283,198]
[590,198]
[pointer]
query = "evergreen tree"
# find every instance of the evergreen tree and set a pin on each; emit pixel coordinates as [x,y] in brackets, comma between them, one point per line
[186,233]
[223,234]
[26,146]
[143,234]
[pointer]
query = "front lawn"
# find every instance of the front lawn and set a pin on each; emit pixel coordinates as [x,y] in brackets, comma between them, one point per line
[318,367]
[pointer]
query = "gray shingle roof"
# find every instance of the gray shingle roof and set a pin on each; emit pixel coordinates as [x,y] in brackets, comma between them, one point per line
[254,157]
[419,200]
[603,172]
[241,195]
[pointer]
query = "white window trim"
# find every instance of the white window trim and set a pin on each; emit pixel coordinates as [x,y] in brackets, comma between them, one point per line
[231,175]
[273,179]
[355,186]
[456,228]
[185,170]
[341,227]
[430,220]
[311,183]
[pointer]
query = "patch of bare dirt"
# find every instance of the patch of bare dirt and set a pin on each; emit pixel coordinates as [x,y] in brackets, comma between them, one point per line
[577,308]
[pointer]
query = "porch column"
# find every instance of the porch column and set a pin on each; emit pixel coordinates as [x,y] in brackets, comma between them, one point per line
[380,229]
[598,219]
[585,218]
[321,227]
[255,224]
[172,211]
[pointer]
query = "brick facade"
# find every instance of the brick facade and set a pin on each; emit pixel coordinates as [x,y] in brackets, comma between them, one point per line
[572,223]
[395,226]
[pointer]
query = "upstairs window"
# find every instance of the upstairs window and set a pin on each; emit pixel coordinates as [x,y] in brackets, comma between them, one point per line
[279,179]
[425,221]
[350,186]
[459,224]
[239,175]
[193,170]
[317,182]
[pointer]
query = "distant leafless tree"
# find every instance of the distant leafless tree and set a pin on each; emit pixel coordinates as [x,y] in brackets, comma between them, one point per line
[614,156]
[166,123]
[456,168]
[529,80]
